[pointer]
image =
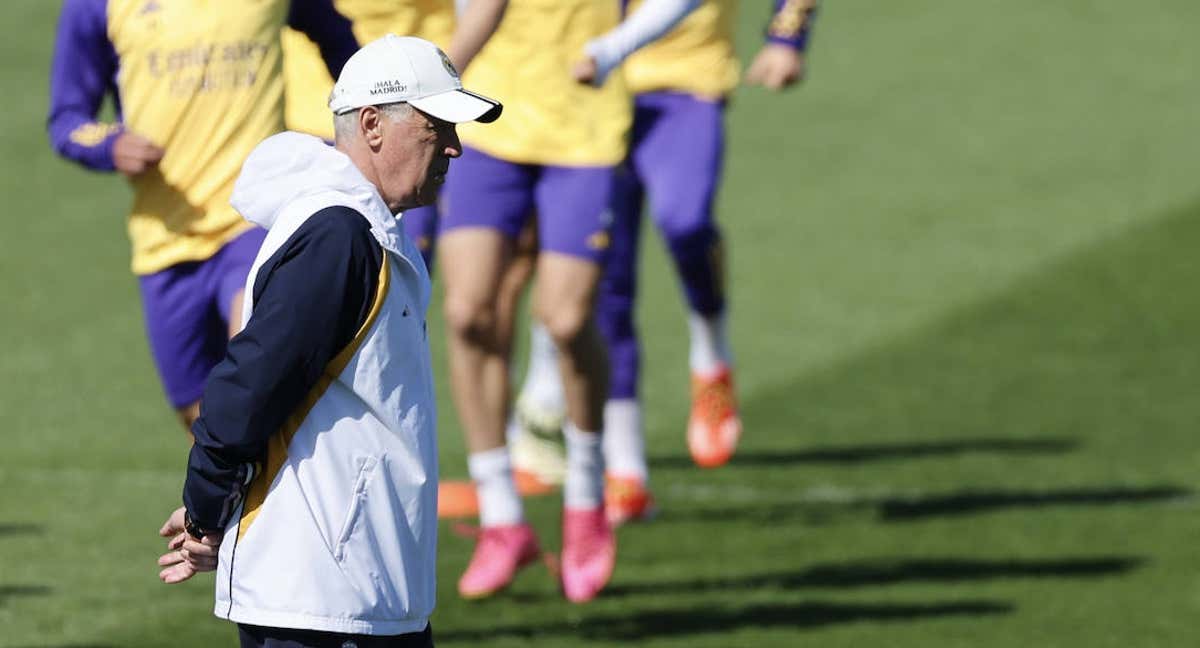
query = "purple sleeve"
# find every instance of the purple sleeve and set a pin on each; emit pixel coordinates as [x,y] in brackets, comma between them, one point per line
[84,69]
[327,28]
[792,22]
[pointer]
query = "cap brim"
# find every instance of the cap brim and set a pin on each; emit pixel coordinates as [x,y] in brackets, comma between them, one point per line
[459,106]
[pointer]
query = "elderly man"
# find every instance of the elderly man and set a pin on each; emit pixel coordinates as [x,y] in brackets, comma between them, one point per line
[312,485]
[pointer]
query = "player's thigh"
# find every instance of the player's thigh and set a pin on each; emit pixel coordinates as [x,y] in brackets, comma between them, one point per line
[485,192]
[619,279]
[678,157]
[186,337]
[485,203]
[574,219]
[574,212]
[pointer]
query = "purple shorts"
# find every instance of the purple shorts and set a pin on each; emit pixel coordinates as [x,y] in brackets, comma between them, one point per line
[186,308]
[571,203]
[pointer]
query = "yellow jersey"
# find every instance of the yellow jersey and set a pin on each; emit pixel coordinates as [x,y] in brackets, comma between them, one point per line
[696,57]
[307,80]
[548,117]
[202,82]
[202,79]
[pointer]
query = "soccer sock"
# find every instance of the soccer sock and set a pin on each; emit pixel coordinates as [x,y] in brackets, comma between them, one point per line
[709,350]
[583,487]
[543,385]
[624,444]
[499,503]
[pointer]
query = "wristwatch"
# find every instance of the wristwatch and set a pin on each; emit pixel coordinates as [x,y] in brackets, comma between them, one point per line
[190,526]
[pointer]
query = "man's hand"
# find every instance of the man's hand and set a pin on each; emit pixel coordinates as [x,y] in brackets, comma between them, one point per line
[776,67]
[584,71]
[187,556]
[134,154]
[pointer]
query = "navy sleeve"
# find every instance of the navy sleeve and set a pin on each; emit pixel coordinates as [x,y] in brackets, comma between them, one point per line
[310,299]
[330,30]
[792,22]
[83,71]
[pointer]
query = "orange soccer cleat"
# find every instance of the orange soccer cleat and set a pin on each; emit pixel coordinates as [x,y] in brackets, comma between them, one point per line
[626,499]
[714,426]
[457,499]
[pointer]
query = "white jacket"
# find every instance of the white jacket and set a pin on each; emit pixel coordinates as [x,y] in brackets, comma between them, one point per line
[344,537]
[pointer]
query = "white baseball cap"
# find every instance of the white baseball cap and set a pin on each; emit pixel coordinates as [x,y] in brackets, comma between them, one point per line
[395,68]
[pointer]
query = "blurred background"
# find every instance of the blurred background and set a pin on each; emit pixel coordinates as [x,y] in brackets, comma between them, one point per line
[966,316]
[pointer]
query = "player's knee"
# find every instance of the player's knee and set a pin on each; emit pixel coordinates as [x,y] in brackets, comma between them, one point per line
[684,217]
[692,233]
[469,320]
[565,323]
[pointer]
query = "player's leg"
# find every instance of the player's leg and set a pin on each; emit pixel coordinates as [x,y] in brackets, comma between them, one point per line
[680,161]
[186,339]
[218,285]
[486,200]
[627,496]
[534,429]
[420,225]
[572,206]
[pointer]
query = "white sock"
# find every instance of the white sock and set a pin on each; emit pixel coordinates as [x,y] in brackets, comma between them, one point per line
[499,503]
[624,443]
[709,350]
[543,384]
[583,487]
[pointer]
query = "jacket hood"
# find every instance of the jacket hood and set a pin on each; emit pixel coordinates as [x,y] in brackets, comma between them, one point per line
[289,165]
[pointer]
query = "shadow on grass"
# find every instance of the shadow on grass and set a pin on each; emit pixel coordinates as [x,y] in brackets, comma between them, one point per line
[665,622]
[14,591]
[905,509]
[982,501]
[856,454]
[13,529]
[890,572]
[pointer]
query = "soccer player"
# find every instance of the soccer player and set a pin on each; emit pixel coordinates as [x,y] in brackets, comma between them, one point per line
[681,83]
[308,84]
[196,86]
[555,152]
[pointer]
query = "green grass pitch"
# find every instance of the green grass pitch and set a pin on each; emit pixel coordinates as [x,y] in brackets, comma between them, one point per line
[964,271]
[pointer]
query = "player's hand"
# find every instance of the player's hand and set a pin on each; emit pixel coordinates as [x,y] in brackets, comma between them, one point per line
[134,154]
[187,556]
[776,67]
[584,71]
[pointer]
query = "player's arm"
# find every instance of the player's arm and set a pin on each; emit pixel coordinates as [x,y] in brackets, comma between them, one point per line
[476,22]
[781,62]
[651,20]
[330,30]
[81,74]
[310,298]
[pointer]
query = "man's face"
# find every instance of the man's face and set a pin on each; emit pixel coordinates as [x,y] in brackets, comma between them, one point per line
[415,157]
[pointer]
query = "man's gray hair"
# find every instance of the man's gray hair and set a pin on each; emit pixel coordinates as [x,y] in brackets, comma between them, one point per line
[345,125]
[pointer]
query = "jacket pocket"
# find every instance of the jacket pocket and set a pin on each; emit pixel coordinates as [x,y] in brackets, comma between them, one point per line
[358,501]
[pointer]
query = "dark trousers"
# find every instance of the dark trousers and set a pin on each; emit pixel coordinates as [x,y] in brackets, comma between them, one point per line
[261,637]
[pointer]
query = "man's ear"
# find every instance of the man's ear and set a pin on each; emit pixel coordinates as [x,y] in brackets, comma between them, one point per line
[370,125]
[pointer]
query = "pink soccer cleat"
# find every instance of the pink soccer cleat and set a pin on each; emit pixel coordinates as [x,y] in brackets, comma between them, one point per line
[499,553]
[714,426]
[589,553]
